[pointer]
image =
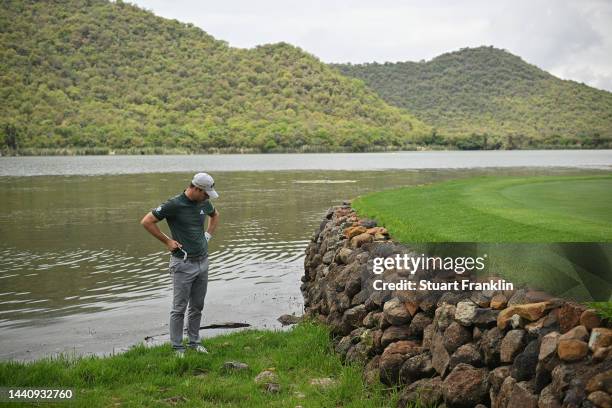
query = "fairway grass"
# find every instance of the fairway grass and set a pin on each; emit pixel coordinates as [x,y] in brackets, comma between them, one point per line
[154,377]
[497,209]
[552,233]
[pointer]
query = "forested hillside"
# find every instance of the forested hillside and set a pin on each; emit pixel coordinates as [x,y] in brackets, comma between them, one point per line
[100,76]
[93,76]
[489,98]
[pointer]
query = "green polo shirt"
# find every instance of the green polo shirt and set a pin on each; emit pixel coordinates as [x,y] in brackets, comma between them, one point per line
[186,220]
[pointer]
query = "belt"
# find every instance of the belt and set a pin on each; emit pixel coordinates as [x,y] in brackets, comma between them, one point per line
[192,258]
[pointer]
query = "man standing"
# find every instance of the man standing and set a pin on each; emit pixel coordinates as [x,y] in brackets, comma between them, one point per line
[186,214]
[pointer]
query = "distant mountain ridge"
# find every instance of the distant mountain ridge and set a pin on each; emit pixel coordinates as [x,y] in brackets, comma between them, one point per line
[487,91]
[93,76]
[96,75]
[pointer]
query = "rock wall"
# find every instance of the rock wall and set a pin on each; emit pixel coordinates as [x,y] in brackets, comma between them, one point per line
[513,348]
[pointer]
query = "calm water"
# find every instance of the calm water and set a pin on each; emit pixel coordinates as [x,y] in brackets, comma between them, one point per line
[79,274]
[79,165]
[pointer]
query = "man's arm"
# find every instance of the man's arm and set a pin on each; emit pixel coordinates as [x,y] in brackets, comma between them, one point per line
[213,222]
[149,222]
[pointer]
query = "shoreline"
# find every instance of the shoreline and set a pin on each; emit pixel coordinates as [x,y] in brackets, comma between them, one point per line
[151,151]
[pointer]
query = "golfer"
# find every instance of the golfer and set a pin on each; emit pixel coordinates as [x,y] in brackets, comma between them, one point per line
[186,215]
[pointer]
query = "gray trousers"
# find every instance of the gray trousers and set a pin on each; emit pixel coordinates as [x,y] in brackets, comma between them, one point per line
[190,281]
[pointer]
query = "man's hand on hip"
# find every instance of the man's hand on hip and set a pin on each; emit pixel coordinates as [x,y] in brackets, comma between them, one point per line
[173,245]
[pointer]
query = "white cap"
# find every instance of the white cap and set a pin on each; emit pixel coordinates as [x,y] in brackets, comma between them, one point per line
[206,183]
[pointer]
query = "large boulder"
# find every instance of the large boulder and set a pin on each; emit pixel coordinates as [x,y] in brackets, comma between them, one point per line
[590,319]
[529,311]
[600,337]
[465,312]
[548,346]
[354,316]
[466,386]
[360,240]
[351,232]
[524,364]
[600,399]
[428,334]
[371,371]
[396,312]
[376,300]
[569,316]
[572,350]
[561,377]
[467,354]
[577,333]
[343,255]
[547,399]
[497,377]
[485,317]
[444,316]
[440,356]
[426,392]
[490,344]
[416,367]
[395,333]
[393,357]
[456,335]
[359,353]
[418,324]
[517,394]
[498,301]
[575,395]
[600,382]
[512,345]
[543,326]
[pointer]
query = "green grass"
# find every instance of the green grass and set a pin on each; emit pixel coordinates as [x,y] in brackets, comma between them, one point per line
[552,233]
[604,309]
[497,209]
[150,376]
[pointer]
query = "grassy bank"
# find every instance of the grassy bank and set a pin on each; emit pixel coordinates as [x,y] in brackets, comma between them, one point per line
[497,209]
[153,377]
[552,233]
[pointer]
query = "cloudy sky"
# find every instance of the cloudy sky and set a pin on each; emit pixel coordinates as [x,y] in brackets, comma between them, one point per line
[570,39]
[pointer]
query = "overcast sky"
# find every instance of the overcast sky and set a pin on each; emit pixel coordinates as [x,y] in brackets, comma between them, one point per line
[570,39]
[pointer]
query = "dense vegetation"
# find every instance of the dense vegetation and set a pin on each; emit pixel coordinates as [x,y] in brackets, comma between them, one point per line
[90,74]
[95,76]
[490,98]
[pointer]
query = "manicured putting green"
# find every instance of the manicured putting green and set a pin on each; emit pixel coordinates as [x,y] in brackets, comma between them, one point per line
[497,209]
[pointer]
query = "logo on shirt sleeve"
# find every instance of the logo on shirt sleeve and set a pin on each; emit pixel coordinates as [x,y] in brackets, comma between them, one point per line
[158,209]
[201,212]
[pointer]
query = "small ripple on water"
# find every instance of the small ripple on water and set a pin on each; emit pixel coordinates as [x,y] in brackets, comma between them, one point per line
[85,281]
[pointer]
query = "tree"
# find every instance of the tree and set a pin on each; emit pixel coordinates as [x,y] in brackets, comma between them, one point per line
[11,136]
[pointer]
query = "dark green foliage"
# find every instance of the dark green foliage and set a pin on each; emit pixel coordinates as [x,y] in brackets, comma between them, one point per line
[86,74]
[486,94]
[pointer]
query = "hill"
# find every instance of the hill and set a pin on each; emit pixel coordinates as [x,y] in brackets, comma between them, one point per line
[91,74]
[487,97]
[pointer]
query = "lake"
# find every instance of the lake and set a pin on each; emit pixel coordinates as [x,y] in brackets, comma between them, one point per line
[80,275]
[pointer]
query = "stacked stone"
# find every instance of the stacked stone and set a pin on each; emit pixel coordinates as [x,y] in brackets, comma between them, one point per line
[516,348]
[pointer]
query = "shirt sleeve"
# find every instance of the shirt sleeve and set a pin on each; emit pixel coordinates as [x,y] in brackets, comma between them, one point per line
[209,209]
[165,210]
